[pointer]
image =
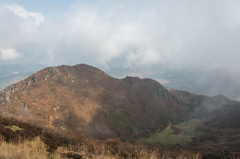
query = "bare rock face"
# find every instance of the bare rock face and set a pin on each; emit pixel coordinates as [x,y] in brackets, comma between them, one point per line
[35,78]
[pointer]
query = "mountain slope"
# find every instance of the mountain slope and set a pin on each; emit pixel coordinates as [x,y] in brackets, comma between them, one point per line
[83,98]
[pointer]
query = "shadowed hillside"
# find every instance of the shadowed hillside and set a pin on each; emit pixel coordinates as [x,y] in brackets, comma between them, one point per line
[217,111]
[220,124]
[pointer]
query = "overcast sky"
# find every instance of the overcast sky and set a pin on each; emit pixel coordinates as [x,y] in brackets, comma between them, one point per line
[127,34]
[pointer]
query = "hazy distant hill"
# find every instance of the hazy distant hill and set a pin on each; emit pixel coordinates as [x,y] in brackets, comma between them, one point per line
[208,82]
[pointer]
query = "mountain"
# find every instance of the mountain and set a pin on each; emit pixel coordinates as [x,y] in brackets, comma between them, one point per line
[83,98]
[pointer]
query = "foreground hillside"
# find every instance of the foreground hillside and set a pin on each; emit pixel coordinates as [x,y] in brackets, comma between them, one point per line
[21,141]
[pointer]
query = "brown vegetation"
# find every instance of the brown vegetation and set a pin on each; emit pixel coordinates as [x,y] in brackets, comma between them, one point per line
[39,143]
[84,99]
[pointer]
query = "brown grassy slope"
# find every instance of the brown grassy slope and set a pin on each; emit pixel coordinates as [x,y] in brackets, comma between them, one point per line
[37,150]
[22,140]
[59,143]
[83,98]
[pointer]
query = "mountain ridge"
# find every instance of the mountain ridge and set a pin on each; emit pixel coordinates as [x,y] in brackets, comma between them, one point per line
[84,99]
[101,105]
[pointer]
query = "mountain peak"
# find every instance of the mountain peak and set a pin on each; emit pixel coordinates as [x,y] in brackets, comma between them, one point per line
[83,98]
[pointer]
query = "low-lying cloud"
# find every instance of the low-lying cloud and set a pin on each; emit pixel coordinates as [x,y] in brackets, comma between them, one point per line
[9,54]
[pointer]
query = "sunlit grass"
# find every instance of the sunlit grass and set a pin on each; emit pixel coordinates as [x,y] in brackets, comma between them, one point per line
[13,127]
[29,149]
[187,123]
[36,149]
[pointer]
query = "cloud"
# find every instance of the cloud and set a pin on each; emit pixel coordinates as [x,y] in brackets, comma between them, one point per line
[174,34]
[20,29]
[23,13]
[9,54]
[129,34]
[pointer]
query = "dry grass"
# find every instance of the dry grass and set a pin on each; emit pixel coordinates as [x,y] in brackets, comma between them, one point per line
[56,143]
[92,149]
[35,149]
[115,149]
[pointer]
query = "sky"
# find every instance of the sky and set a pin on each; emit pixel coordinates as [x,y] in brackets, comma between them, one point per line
[140,36]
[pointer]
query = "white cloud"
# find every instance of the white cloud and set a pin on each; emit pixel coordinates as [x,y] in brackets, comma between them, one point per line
[128,35]
[170,33]
[21,30]
[23,13]
[9,54]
